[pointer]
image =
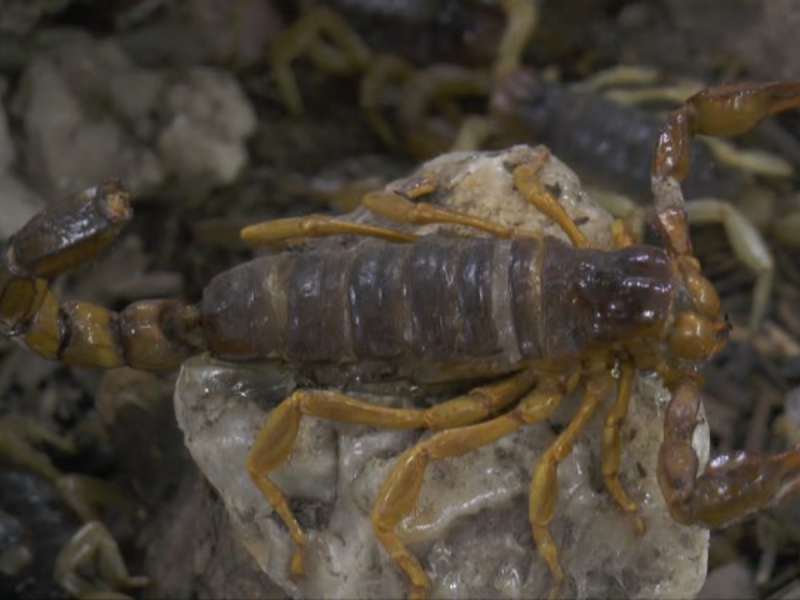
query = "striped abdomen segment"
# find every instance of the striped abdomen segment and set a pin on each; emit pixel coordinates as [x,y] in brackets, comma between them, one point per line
[441,299]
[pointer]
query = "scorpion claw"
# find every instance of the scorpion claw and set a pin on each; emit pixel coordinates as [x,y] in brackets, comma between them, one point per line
[723,110]
[733,486]
[736,108]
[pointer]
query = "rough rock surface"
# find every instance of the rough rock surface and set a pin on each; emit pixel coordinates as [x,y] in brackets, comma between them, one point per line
[19,202]
[470,529]
[90,113]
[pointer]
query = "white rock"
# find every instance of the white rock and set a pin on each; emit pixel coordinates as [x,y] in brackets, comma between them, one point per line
[7,150]
[18,205]
[470,529]
[212,119]
[73,143]
[90,114]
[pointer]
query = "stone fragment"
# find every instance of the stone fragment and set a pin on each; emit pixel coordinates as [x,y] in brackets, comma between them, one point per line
[89,114]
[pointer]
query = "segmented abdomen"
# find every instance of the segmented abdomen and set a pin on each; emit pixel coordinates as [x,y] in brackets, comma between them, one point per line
[441,299]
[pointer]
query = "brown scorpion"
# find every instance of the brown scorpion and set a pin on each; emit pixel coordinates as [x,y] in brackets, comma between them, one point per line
[529,315]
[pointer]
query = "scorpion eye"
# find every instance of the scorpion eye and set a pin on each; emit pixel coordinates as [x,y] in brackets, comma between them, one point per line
[693,337]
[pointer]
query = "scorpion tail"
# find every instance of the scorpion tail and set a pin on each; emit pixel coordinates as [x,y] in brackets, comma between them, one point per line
[148,335]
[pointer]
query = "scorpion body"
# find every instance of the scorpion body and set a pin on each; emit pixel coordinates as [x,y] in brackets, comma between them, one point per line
[608,143]
[486,303]
[528,316]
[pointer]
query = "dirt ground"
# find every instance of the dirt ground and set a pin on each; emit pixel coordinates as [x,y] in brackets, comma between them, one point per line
[179,100]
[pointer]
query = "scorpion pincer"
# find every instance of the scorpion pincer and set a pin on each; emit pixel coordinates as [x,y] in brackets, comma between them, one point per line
[529,315]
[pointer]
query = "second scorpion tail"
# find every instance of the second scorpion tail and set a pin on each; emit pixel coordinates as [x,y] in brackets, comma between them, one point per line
[151,335]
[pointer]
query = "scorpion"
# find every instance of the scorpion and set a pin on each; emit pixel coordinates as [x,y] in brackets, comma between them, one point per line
[529,316]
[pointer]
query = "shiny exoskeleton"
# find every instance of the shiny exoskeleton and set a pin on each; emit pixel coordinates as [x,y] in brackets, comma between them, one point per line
[530,316]
[439,300]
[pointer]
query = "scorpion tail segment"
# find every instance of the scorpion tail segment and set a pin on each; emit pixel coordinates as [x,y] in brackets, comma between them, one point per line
[69,232]
[147,335]
[151,335]
[733,485]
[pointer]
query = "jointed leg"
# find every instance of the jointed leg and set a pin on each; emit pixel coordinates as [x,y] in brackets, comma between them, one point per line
[612,445]
[392,205]
[398,207]
[544,487]
[400,491]
[347,53]
[732,487]
[93,546]
[275,441]
[748,245]
[382,70]
[522,17]
[435,90]
[526,178]
[19,438]
[281,230]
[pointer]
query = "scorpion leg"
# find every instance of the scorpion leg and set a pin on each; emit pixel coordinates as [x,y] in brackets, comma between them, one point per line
[426,136]
[396,207]
[748,245]
[400,491]
[381,70]
[94,546]
[348,52]
[787,229]
[522,17]
[281,230]
[274,443]
[719,111]
[612,445]
[19,437]
[733,486]
[526,178]
[544,486]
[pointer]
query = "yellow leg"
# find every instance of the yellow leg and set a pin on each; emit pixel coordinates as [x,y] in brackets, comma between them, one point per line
[280,230]
[526,178]
[400,491]
[748,245]
[275,441]
[437,87]
[621,234]
[93,546]
[522,18]
[612,445]
[380,72]
[347,52]
[544,487]
[397,208]
[85,495]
